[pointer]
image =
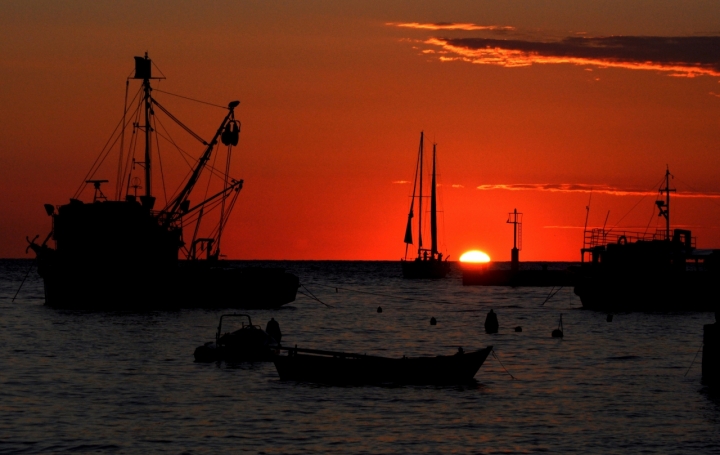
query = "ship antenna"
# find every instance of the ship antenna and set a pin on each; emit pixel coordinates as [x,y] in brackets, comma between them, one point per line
[664,206]
[587,216]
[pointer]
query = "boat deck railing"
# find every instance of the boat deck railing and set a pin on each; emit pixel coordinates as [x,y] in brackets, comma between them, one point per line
[601,237]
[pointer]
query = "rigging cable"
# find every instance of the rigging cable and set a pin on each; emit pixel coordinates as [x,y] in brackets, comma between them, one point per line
[207,190]
[183,155]
[26,276]
[162,173]
[551,294]
[131,156]
[118,180]
[693,361]
[100,158]
[312,296]
[633,207]
[176,120]
[501,364]
[191,99]
[712,197]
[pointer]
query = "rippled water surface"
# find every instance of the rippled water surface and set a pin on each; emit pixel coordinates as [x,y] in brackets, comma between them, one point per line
[126,382]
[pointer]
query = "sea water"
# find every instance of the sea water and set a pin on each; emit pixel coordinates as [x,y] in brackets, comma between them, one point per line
[115,382]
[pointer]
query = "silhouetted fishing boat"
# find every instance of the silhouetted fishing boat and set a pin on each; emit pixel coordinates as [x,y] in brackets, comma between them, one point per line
[250,343]
[330,367]
[639,271]
[122,253]
[429,263]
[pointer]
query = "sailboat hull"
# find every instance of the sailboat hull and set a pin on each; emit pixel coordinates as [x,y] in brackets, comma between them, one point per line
[420,269]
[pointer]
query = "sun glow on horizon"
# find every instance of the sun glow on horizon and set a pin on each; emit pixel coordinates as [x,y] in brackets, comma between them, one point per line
[474,256]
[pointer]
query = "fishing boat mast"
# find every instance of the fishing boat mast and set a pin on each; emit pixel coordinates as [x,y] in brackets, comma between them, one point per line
[664,206]
[148,173]
[143,70]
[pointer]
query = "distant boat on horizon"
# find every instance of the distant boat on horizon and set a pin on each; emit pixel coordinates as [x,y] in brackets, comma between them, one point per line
[429,263]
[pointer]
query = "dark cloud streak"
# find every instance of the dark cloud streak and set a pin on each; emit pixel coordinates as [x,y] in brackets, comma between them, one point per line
[683,55]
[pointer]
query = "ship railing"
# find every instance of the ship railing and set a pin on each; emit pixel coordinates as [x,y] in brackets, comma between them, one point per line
[601,237]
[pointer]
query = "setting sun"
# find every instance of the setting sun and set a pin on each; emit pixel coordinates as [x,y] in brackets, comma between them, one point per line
[474,256]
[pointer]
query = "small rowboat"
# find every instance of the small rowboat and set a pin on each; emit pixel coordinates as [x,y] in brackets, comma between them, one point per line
[329,367]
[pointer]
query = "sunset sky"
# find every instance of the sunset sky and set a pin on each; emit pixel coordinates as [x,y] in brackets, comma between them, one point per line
[534,105]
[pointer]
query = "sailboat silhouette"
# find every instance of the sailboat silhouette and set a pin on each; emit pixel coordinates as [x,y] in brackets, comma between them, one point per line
[429,263]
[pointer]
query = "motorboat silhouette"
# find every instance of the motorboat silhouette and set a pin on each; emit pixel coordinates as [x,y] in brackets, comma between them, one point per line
[249,343]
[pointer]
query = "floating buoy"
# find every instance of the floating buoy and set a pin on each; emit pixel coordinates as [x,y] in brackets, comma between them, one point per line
[433,321]
[379,309]
[558,333]
[518,329]
[491,322]
[609,317]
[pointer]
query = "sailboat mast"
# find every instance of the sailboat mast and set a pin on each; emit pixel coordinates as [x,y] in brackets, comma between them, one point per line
[421,197]
[433,210]
[146,88]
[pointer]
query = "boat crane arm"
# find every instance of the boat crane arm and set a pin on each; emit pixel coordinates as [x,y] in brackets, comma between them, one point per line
[174,206]
[236,186]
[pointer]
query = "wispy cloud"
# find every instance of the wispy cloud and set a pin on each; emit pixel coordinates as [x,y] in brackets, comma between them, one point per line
[584,188]
[458,186]
[683,56]
[467,26]
[401,182]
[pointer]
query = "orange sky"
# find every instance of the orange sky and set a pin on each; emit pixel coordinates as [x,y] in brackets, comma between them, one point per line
[334,95]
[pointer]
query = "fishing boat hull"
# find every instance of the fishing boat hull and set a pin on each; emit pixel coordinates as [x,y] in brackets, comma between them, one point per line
[425,269]
[184,286]
[662,271]
[338,368]
[650,292]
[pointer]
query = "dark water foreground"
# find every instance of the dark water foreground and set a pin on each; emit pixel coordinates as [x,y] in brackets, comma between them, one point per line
[126,382]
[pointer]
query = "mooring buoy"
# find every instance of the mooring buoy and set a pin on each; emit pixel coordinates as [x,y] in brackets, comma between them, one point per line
[609,317]
[558,333]
[379,310]
[433,321]
[518,329]
[491,322]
